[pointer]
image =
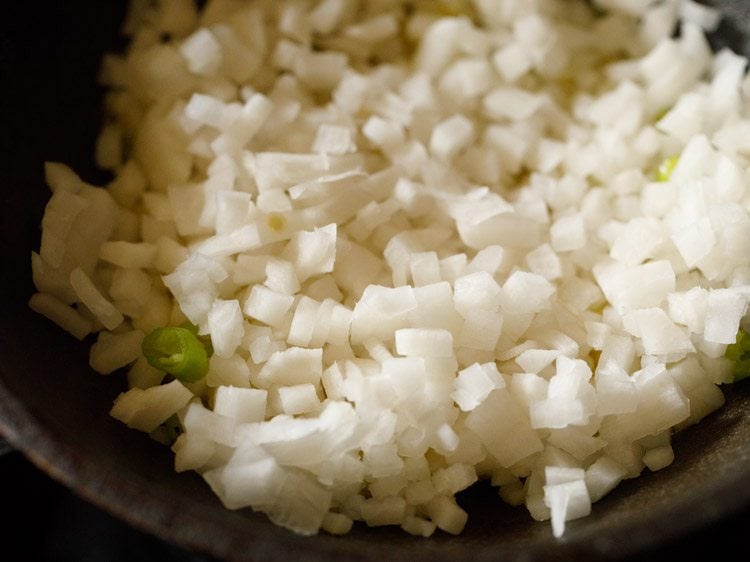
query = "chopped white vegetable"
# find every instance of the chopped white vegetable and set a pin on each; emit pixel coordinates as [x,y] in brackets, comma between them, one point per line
[425,248]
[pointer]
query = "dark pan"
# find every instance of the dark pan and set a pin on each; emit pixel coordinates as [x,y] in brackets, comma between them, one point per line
[54,408]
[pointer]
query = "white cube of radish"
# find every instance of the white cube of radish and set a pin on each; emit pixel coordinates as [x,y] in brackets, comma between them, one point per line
[58,176]
[446,440]
[454,478]
[146,409]
[534,360]
[61,314]
[267,306]
[303,322]
[142,375]
[298,399]
[219,429]
[59,219]
[192,451]
[114,351]
[638,241]
[233,211]
[492,259]
[619,350]
[474,384]
[380,311]
[383,133]
[263,345]
[320,71]
[643,286]
[545,262]
[133,285]
[603,476]
[374,29]
[615,392]
[281,277]
[658,458]
[423,342]
[418,526]
[481,330]
[313,252]
[571,400]
[225,324]
[704,395]
[689,308]
[658,334]
[503,428]
[291,366]
[527,388]
[724,310]
[133,255]
[382,459]
[340,323]
[241,240]
[512,62]
[249,483]
[467,78]
[511,103]
[247,405]
[661,405]
[202,52]
[326,15]
[525,292]
[336,523]
[476,290]
[333,139]
[249,269]
[89,295]
[566,501]
[227,371]
[439,44]
[386,511]
[451,136]
[568,233]
[435,308]
[324,288]
[425,268]
[695,241]
[446,514]
[576,442]
[333,382]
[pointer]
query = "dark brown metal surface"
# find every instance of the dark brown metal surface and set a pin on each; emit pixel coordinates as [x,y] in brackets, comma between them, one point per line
[54,408]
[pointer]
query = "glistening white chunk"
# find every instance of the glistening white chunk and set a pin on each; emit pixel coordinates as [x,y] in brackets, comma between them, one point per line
[94,300]
[424,342]
[146,409]
[225,326]
[450,136]
[243,404]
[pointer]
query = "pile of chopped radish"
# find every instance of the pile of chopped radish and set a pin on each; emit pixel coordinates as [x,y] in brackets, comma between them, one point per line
[429,241]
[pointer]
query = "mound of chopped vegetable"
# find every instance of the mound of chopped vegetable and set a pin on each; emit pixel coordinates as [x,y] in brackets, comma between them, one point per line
[357,255]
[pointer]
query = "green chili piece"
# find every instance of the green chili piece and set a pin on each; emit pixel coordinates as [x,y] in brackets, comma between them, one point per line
[176,351]
[739,353]
[665,169]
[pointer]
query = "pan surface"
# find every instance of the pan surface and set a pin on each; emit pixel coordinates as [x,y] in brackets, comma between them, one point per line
[55,409]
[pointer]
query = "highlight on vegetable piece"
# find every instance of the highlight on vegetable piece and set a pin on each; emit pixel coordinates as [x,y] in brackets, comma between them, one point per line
[739,353]
[176,351]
